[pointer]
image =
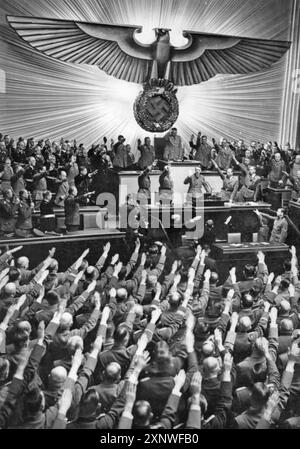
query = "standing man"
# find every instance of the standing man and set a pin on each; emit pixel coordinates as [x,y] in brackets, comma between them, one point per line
[6,175]
[201,151]
[278,167]
[83,183]
[166,186]
[63,189]
[251,183]
[196,183]
[230,184]
[8,209]
[144,181]
[24,225]
[224,154]
[280,226]
[39,185]
[296,185]
[120,154]
[147,154]
[173,150]
[72,209]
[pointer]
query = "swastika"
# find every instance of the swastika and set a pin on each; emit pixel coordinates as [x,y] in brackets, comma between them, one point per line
[158,108]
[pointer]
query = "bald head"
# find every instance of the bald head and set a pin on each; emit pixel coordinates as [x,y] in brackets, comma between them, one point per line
[23,262]
[66,320]
[286,326]
[113,372]
[208,348]
[245,324]
[211,367]
[285,306]
[122,294]
[58,376]
[10,289]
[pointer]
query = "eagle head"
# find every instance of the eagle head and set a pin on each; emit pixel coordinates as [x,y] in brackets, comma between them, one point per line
[162,34]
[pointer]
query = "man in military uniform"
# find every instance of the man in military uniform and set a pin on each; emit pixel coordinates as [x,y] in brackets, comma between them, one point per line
[173,150]
[144,192]
[296,185]
[166,186]
[30,171]
[63,190]
[8,209]
[249,190]
[24,225]
[147,154]
[39,185]
[201,151]
[280,226]
[196,183]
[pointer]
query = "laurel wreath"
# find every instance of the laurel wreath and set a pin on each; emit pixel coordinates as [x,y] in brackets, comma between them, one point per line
[144,118]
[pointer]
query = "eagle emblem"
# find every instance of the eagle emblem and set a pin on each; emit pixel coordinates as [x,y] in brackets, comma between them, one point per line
[159,67]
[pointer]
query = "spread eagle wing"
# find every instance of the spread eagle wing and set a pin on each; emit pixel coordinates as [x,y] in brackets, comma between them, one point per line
[207,55]
[113,48]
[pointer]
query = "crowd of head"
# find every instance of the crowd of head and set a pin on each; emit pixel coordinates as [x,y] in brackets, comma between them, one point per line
[148,344]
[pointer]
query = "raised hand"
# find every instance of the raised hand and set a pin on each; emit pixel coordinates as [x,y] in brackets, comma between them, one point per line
[190,321]
[207,275]
[52,252]
[106,248]
[130,393]
[179,380]
[97,299]
[228,361]
[174,266]
[65,401]
[232,273]
[156,313]
[143,259]
[91,287]
[291,290]
[196,383]
[41,331]
[271,278]
[234,319]
[105,315]
[273,315]
[115,259]
[294,351]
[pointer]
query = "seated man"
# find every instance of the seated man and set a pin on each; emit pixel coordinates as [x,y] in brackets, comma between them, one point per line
[280,227]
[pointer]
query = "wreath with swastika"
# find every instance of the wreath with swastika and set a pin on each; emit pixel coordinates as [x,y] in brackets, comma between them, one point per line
[156,110]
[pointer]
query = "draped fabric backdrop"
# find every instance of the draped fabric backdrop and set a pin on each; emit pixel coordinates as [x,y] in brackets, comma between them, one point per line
[48,98]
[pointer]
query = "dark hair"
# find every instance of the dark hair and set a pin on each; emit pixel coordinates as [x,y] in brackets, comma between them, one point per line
[249,270]
[214,278]
[260,394]
[287,265]
[89,403]
[141,413]
[284,284]
[246,300]
[33,401]
[13,274]
[120,334]
[52,298]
